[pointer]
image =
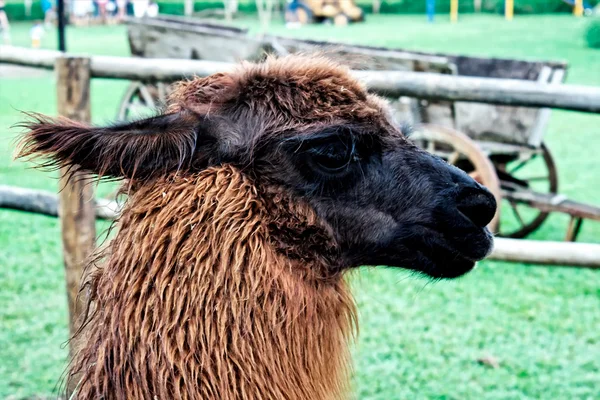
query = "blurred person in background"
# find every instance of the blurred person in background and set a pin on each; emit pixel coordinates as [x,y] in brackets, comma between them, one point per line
[130,8]
[152,10]
[49,10]
[102,10]
[121,9]
[111,10]
[140,7]
[95,9]
[4,25]
[81,10]
[36,33]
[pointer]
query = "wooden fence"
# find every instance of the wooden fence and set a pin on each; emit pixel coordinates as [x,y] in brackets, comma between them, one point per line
[78,213]
[388,83]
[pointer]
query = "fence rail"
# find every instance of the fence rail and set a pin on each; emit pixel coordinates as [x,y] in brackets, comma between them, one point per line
[46,203]
[389,83]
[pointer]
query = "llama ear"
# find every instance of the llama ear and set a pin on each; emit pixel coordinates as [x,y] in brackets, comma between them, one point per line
[139,150]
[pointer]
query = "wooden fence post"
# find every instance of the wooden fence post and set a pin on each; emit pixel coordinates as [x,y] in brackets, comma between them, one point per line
[76,199]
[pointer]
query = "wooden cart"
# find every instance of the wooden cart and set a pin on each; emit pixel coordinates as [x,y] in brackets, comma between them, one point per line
[184,38]
[500,146]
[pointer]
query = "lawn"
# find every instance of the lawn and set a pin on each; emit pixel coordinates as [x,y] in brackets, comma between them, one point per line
[418,339]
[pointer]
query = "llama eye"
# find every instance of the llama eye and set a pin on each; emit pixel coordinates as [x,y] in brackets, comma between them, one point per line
[334,158]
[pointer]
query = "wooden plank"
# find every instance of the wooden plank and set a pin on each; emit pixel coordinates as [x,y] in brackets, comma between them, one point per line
[512,92]
[547,253]
[76,205]
[46,203]
[552,203]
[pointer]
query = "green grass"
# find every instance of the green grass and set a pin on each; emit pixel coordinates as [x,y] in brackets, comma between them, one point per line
[592,35]
[419,340]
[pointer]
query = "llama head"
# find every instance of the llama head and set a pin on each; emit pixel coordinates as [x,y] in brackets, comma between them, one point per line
[304,126]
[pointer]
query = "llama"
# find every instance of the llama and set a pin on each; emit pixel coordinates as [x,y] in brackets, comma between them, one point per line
[249,200]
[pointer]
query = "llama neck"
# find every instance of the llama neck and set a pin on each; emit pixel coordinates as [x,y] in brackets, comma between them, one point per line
[196,302]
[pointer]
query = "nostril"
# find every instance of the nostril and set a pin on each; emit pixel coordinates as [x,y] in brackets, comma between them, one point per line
[478,205]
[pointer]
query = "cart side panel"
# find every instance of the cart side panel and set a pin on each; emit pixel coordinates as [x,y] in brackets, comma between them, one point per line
[497,68]
[503,124]
[367,58]
[172,39]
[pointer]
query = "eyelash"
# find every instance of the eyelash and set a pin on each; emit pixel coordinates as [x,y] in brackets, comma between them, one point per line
[335,158]
[331,154]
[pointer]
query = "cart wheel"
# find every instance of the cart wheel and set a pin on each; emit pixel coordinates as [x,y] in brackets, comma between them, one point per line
[460,150]
[142,100]
[536,172]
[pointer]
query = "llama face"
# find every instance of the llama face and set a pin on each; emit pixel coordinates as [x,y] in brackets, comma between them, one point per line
[305,126]
[387,201]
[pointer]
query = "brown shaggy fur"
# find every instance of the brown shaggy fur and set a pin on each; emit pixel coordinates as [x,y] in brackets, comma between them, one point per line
[195,302]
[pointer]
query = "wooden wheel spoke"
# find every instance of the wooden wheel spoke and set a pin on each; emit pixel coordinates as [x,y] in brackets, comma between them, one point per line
[477,177]
[146,96]
[163,92]
[136,105]
[520,165]
[547,183]
[536,178]
[453,158]
[516,212]
[431,147]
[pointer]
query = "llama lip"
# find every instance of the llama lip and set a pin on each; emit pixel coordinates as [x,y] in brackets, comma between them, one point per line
[441,257]
[445,264]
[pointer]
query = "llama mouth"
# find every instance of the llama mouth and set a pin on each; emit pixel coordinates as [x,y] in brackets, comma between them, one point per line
[443,258]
